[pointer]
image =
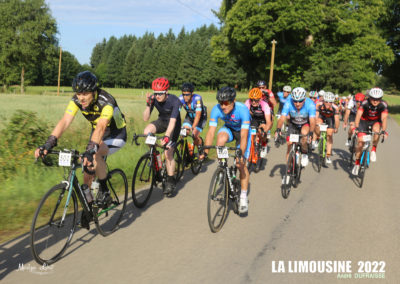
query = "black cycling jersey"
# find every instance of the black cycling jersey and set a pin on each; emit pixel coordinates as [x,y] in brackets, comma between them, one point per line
[169,108]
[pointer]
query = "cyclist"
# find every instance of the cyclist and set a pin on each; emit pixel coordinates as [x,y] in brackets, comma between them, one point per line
[268,96]
[313,95]
[283,97]
[196,111]
[373,113]
[337,100]
[301,113]
[327,113]
[169,121]
[237,123]
[260,113]
[350,114]
[108,133]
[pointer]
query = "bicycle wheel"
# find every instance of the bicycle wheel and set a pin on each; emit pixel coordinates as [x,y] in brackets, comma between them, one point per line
[363,168]
[297,172]
[196,163]
[107,219]
[352,150]
[258,159]
[320,155]
[143,181]
[53,225]
[179,165]
[217,201]
[287,178]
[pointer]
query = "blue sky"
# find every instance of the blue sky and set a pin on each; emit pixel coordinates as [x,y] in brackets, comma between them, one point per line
[83,24]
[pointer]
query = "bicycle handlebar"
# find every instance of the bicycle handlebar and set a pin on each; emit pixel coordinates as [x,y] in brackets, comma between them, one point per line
[136,136]
[238,151]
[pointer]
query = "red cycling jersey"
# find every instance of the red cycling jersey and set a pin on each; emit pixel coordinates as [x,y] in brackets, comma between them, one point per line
[373,113]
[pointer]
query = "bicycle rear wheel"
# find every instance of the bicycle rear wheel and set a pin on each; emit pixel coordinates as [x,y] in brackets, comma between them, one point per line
[288,177]
[107,218]
[143,181]
[53,225]
[196,163]
[217,201]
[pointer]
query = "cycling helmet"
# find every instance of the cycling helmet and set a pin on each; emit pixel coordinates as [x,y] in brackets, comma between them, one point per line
[313,94]
[226,94]
[321,93]
[261,83]
[298,94]
[329,97]
[349,96]
[160,84]
[287,89]
[255,94]
[376,93]
[343,98]
[187,87]
[85,81]
[359,97]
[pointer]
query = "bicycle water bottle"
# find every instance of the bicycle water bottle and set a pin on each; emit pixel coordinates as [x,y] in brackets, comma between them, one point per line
[159,162]
[297,157]
[88,193]
[95,187]
[190,147]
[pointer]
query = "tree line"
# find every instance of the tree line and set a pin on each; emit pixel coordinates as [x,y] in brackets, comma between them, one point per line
[345,46]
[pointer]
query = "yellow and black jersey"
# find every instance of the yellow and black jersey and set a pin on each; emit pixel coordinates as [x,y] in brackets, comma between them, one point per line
[104,106]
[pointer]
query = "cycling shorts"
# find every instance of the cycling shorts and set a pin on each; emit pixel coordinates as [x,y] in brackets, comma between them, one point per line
[115,140]
[162,125]
[235,135]
[330,121]
[188,122]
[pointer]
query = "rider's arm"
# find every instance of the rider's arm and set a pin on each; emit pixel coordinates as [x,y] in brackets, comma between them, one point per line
[196,119]
[346,117]
[272,100]
[101,125]
[62,125]
[358,117]
[210,137]
[312,124]
[147,113]
[171,127]
[267,115]
[149,106]
[337,121]
[243,139]
[384,116]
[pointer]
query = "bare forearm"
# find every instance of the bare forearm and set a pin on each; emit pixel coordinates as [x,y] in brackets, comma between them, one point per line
[171,127]
[146,114]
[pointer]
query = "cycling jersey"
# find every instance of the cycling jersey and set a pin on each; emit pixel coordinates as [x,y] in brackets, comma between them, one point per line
[267,95]
[327,112]
[373,113]
[299,117]
[258,112]
[103,106]
[195,105]
[283,100]
[168,109]
[238,118]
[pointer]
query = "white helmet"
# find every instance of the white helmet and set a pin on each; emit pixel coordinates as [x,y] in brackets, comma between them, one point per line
[336,96]
[343,98]
[298,94]
[321,93]
[329,97]
[376,93]
[287,89]
[349,96]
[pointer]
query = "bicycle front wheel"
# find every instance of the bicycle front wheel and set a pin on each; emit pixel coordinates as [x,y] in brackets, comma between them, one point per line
[217,201]
[352,151]
[53,225]
[287,178]
[196,163]
[108,218]
[179,165]
[320,154]
[143,181]
[363,168]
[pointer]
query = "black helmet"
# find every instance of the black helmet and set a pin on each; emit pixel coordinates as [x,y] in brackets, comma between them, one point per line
[187,87]
[261,83]
[226,94]
[85,81]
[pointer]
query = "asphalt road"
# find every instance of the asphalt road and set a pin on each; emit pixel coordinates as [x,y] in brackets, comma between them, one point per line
[328,218]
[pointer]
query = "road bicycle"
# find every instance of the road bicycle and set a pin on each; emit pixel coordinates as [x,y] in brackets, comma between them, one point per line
[352,148]
[151,170]
[224,188]
[189,153]
[365,154]
[55,218]
[293,165]
[322,147]
[257,151]
[281,139]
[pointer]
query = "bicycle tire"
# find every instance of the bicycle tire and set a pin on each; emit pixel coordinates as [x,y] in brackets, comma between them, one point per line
[143,181]
[196,163]
[320,155]
[179,165]
[107,219]
[217,195]
[49,238]
[297,171]
[363,168]
[287,178]
[352,150]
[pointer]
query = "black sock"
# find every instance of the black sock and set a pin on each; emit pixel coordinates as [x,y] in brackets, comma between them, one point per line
[103,185]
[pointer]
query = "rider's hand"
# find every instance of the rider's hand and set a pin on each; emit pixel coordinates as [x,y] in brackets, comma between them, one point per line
[166,141]
[344,125]
[50,144]
[277,132]
[149,99]
[386,134]
[91,149]
[336,130]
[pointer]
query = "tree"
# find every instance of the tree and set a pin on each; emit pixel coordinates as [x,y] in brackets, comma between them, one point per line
[27,37]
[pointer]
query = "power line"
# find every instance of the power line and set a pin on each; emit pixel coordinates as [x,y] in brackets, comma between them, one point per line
[197,12]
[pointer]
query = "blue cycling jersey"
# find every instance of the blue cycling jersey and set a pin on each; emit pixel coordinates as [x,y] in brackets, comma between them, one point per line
[238,118]
[282,99]
[299,117]
[195,105]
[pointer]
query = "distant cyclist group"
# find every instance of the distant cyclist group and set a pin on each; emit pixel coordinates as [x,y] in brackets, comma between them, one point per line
[297,114]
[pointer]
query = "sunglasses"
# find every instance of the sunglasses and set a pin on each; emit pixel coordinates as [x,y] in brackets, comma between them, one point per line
[376,100]
[255,101]
[224,103]
[298,102]
[358,101]
[159,93]
[186,95]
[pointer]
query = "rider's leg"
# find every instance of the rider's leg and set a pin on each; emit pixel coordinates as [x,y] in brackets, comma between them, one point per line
[329,142]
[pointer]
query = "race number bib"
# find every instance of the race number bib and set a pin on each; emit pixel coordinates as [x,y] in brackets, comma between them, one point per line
[222,153]
[294,138]
[183,132]
[253,131]
[366,138]
[151,140]
[64,159]
[323,127]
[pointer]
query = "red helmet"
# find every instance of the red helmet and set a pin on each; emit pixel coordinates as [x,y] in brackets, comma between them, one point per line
[359,97]
[160,84]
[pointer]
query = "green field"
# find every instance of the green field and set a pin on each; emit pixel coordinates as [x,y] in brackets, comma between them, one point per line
[22,189]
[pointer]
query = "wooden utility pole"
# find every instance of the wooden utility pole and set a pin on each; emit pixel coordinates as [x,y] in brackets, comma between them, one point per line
[59,73]
[271,71]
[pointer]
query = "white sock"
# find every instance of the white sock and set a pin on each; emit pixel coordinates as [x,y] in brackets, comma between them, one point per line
[243,193]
